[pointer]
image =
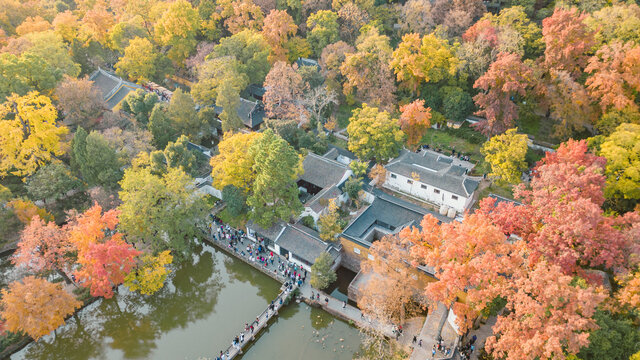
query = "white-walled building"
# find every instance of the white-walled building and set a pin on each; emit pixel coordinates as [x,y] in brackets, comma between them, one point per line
[321,181]
[432,178]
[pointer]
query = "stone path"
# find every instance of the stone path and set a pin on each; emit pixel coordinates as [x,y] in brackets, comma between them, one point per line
[348,312]
[428,335]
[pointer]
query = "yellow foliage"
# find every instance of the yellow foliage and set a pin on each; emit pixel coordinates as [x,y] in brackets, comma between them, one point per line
[29,135]
[36,306]
[233,165]
[150,276]
[506,153]
[25,210]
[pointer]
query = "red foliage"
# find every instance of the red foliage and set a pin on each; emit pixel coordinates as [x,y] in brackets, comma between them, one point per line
[567,39]
[506,77]
[483,29]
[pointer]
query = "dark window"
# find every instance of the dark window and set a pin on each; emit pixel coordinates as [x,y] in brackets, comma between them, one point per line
[393,176]
[423,186]
[409,181]
[436,191]
[454,197]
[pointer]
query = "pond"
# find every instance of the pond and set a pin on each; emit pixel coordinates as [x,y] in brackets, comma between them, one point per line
[204,304]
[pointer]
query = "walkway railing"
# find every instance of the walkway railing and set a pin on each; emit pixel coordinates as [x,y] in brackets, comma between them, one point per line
[260,323]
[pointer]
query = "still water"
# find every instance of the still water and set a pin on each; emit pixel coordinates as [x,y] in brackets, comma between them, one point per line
[205,302]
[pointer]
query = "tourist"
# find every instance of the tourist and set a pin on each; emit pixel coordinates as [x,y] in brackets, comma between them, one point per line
[420,343]
[326,300]
[344,304]
[415,339]
[433,351]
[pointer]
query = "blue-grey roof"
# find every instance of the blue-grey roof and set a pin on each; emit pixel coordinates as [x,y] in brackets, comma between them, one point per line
[302,241]
[435,170]
[250,112]
[387,214]
[307,62]
[113,88]
[321,171]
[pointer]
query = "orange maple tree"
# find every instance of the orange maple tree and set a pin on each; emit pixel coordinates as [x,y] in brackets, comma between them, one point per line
[44,246]
[466,256]
[414,121]
[105,258]
[548,316]
[36,306]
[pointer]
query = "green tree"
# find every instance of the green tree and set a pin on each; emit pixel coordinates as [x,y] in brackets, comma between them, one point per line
[161,126]
[352,187]
[175,155]
[275,193]
[139,103]
[139,61]
[229,99]
[328,222]
[610,120]
[374,134]
[251,51]
[324,30]
[182,112]
[123,32]
[321,274]
[97,161]
[457,104]
[359,168]
[161,210]
[506,155]
[25,73]
[49,46]
[177,29]
[51,181]
[211,76]
[617,338]
[235,199]
[622,151]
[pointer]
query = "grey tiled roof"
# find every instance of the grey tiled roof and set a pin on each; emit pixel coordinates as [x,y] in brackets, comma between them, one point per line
[112,88]
[303,242]
[433,170]
[321,171]
[327,193]
[119,96]
[250,112]
[387,214]
[334,151]
[307,62]
[270,233]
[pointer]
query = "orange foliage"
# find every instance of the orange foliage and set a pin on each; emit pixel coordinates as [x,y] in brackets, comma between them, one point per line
[414,121]
[36,306]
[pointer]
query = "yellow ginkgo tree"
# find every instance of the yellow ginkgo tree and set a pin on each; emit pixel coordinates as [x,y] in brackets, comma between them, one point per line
[29,134]
[150,275]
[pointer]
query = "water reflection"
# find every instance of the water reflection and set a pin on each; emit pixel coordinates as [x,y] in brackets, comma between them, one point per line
[204,304]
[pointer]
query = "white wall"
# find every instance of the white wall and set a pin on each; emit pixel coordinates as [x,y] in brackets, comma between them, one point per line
[426,192]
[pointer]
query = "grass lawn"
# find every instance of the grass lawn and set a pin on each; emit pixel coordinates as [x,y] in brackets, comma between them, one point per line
[238,222]
[337,142]
[343,114]
[502,190]
[452,139]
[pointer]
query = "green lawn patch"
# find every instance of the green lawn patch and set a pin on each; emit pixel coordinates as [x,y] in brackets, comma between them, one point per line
[464,140]
[337,142]
[505,191]
[237,222]
[344,113]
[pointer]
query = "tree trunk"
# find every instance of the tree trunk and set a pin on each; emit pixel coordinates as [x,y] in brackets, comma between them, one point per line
[65,277]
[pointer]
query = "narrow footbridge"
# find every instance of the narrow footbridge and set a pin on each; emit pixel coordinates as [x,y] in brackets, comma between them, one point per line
[261,322]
